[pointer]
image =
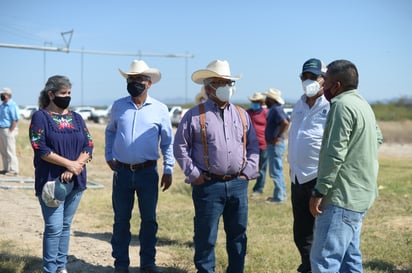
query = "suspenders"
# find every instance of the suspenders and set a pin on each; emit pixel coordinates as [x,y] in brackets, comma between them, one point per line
[204,140]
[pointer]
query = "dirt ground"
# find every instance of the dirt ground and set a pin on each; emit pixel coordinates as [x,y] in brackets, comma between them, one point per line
[21,221]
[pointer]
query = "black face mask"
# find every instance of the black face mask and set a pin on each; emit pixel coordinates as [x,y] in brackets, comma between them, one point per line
[135,88]
[3,97]
[62,102]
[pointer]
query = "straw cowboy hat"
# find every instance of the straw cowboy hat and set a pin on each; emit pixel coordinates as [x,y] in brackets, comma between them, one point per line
[257,96]
[216,69]
[201,96]
[275,94]
[140,67]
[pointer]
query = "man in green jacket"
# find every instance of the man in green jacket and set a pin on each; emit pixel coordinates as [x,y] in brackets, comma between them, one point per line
[347,175]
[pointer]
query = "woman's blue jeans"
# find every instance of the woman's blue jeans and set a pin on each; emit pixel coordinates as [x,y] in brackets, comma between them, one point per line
[336,242]
[56,236]
[211,200]
[127,183]
[275,156]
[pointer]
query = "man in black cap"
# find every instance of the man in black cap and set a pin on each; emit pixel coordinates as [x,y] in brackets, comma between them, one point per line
[304,140]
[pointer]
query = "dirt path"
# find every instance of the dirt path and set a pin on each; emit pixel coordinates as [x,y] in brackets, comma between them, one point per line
[21,221]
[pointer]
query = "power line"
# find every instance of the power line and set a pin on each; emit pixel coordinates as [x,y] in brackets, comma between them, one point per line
[96,52]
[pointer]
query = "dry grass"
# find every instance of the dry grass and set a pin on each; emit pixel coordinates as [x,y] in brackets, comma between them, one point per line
[397,132]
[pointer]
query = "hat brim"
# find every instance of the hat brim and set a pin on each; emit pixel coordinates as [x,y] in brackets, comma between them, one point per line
[313,71]
[154,74]
[200,75]
[254,99]
[278,99]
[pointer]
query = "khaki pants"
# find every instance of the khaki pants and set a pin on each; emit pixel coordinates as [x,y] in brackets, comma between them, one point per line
[8,149]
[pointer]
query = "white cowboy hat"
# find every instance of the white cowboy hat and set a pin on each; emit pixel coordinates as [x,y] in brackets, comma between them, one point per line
[257,96]
[216,69]
[140,67]
[275,94]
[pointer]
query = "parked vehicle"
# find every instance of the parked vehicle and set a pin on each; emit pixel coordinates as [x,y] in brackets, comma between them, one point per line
[101,115]
[288,111]
[27,111]
[176,113]
[84,111]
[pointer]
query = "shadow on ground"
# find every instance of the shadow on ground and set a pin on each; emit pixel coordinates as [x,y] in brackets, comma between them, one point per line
[106,237]
[29,264]
[382,265]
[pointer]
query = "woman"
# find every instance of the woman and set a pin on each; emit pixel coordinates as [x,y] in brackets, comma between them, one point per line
[62,146]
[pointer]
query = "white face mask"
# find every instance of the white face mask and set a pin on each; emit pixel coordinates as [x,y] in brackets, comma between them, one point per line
[310,87]
[224,93]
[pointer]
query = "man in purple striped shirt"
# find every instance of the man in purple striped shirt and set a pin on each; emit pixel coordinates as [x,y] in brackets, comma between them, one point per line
[217,149]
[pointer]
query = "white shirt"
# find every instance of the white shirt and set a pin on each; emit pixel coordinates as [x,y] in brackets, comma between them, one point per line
[305,138]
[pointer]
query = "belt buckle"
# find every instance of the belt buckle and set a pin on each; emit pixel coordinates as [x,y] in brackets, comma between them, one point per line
[226,177]
[131,167]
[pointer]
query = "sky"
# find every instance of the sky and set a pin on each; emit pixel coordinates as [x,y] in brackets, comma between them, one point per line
[267,41]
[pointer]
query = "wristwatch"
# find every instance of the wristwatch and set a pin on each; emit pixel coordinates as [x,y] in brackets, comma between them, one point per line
[316,193]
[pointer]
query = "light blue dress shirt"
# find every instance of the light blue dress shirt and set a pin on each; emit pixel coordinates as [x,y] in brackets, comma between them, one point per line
[133,134]
[9,112]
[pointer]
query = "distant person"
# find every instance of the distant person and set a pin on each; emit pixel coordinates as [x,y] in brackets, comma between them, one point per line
[308,121]
[138,125]
[346,186]
[258,115]
[216,147]
[201,96]
[62,146]
[276,128]
[9,117]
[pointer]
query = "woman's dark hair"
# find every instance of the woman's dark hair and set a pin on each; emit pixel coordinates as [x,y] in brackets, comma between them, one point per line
[54,84]
[345,72]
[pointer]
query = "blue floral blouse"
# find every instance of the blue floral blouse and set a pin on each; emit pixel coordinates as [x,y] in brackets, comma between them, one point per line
[65,135]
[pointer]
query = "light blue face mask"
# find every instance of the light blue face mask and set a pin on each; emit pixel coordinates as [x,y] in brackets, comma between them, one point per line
[255,106]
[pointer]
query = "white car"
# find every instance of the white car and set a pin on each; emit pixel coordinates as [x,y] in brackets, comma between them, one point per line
[176,113]
[101,115]
[84,111]
[27,111]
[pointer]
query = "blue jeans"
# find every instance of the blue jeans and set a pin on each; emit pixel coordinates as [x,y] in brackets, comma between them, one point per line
[127,183]
[336,242]
[263,164]
[275,155]
[211,200]
[56,236]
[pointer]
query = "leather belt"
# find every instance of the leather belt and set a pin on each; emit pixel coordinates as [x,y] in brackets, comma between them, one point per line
[226,177]
[139,166]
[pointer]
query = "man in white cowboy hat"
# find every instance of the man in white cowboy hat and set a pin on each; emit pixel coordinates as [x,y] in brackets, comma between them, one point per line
[308,121]
[217,149]
[138,124]
[258,115]
[9,117]
[276,127]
